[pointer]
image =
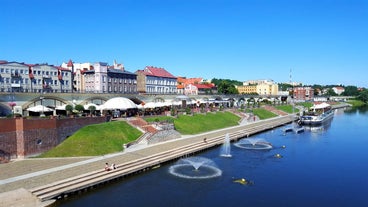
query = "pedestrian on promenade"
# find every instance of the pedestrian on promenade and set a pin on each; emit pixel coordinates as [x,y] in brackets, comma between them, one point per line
[107,167]
[113,166]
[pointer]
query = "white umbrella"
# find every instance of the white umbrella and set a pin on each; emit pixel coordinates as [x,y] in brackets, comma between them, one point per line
[62,107]
[86,107]
[39,108]
[140,106]
[118,103]
[150,105]
[176,103]
[167,103]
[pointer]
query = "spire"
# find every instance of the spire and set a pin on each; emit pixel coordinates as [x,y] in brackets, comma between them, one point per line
[70,63]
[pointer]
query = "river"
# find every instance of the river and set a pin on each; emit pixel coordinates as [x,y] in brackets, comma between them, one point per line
[324,166]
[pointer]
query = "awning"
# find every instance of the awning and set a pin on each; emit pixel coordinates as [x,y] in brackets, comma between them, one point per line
[39,108]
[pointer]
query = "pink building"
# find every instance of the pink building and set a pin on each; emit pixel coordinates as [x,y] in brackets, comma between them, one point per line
[303,93]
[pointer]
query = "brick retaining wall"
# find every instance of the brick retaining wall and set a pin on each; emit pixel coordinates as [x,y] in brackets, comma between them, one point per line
[21,137]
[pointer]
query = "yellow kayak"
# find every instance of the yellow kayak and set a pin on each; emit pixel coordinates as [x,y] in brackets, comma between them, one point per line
[243,181]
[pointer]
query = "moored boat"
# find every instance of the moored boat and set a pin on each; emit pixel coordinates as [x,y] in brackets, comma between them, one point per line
[317,114]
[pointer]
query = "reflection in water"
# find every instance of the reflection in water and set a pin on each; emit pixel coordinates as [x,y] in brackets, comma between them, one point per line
[359,110]
[309,165]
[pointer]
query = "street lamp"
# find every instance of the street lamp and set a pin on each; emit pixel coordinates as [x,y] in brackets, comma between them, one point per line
[42,112]
[71,65]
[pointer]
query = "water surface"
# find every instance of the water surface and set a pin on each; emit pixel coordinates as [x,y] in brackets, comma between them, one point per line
[320,167]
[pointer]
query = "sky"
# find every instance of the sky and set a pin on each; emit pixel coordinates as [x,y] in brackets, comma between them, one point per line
[309,41]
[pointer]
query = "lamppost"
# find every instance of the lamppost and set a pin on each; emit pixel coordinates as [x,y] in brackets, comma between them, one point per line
[71,65]
[42,112]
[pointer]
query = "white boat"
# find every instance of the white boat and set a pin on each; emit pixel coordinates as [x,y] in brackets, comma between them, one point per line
[296,128]
[317,114]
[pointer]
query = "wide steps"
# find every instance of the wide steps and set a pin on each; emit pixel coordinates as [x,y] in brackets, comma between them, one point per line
[84,181]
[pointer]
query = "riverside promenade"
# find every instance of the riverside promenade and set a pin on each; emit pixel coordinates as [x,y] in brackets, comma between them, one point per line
[39,182]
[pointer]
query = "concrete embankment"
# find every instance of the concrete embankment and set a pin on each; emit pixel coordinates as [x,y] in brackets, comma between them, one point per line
[341,105]
[57,181]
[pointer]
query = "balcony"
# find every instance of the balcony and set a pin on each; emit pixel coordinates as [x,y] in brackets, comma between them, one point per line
[16,76]
[15,85]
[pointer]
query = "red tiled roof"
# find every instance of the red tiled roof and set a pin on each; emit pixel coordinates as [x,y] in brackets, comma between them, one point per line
[187,81]
[203,86]
[61,68]
[158,72]
[70,63]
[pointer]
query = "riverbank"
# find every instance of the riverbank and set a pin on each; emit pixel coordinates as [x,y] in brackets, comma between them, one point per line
[21,174]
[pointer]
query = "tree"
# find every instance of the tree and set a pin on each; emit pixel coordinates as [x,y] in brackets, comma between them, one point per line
[331,92]
[92,109]
[79,108]
[363,96]
[232,82]
[68,109]
[284,86]
[226,88]
[350,91]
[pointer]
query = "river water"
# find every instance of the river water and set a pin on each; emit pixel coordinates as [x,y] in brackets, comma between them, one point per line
[326,166]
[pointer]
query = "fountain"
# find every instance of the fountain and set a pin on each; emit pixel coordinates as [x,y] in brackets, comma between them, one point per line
[195,168]
[254,144]
[225,149]
[277,156]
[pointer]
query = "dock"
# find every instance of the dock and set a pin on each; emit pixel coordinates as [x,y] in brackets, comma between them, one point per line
[51,179]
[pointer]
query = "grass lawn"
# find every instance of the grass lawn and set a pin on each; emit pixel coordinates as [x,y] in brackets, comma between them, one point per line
[159,119]
[287,108]
[97,139]
[306,104]
[356,103]
[263,113]
[200,123]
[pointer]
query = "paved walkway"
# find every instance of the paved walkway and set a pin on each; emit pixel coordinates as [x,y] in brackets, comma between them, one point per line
[31,173]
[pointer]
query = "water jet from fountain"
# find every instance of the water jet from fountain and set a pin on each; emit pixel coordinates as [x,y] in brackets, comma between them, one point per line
[195,168]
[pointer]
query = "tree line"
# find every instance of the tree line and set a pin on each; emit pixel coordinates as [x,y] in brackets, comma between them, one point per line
[227,86]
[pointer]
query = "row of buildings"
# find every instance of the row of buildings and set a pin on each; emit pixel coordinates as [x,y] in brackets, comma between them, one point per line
[98,77]
[101,77]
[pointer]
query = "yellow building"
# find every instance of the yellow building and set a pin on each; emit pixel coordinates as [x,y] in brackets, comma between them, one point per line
[260,89]
[267,89]
[248,89]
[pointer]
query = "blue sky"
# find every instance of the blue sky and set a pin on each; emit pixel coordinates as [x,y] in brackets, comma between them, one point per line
[321,41]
